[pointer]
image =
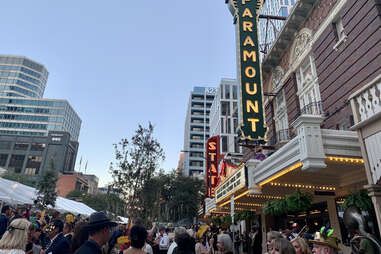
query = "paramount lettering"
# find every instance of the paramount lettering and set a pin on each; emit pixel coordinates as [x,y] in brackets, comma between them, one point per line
[252,124]
[251,54]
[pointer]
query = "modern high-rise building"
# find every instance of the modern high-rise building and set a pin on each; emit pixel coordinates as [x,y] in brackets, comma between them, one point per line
[224,116]
[268,33]
[196,131]
[23,111]
[34,132]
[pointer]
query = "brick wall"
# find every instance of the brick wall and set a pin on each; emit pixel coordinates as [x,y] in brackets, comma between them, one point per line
[356,62]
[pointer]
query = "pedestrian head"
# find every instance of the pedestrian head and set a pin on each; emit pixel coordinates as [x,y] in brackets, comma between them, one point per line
[272,235]
[6,210]
[16,236]
[300,246]
[179,230]
[162,230]
[55,228]
[138,236]
[224,243]
[282,246]
[99,227]
[68,227]
[80,236]
[184,243]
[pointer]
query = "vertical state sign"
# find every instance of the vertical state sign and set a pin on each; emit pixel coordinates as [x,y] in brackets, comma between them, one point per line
[211,172]
[252,120]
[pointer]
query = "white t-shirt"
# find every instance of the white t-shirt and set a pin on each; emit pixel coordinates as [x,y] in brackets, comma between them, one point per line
[147,249]
[172,247]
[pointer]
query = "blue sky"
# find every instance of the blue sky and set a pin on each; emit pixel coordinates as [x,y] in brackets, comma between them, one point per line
[123,62]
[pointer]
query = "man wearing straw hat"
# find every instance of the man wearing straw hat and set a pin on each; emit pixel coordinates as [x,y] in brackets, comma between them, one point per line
[325,242]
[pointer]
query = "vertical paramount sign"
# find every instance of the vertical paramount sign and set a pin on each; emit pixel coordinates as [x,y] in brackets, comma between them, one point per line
[211,173]
[249,69]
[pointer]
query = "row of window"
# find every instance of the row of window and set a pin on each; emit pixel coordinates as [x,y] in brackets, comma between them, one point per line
[34,102]
[23,61]
[16,163]
[229,91]
[26,133]
[31,118]
[7,74]
[17,89]
[7,145]
[49,111]
[24,125]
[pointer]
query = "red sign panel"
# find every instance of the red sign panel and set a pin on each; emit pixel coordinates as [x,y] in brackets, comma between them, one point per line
[211,172]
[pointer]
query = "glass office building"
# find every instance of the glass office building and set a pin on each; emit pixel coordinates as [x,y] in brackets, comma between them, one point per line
[23,111]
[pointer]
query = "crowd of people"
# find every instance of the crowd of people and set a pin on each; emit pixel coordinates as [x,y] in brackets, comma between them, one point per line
[34,232]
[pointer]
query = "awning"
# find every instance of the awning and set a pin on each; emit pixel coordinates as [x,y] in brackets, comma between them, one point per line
[15,193]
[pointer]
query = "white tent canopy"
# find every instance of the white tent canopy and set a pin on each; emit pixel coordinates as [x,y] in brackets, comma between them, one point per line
[16,193]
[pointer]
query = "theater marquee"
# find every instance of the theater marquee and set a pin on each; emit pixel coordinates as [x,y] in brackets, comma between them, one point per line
[211,172]
[252,120]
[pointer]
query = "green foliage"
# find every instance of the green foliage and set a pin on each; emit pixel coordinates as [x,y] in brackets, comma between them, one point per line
[135,164]
[46,188]
[245,215]
[171,197]
[361,200]
[296,202]
[21,178]
[100,201]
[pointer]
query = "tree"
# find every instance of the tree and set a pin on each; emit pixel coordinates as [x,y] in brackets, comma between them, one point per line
[134,166]
[46,187]
[100,202]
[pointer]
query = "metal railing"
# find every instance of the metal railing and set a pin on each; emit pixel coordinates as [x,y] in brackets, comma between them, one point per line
[314,108]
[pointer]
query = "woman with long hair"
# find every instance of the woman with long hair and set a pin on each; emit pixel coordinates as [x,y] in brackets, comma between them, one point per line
[80,236]
[282,246]
[15,239]
[300,246]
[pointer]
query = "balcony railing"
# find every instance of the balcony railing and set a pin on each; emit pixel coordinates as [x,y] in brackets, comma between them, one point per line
[366,102]
[314,108]
[280,136]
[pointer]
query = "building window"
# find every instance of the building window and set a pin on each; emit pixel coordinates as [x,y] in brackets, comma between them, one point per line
[5,145]
[228,125]
[33,165]
[3,159]
[21,146]
[235,92]
[235,124]
[283,11]
[236,145]
[222,125]
[235,109]
[224,144]
[308,88]
[339,29]
[281,119]
[225,108]
[227,91]
[37,147]
[16,163]
[196,154]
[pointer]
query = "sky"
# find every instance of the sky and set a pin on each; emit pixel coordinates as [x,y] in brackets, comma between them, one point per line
[121,63]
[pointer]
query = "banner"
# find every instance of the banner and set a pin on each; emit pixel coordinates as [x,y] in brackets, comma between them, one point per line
[211,172]
[252,124]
